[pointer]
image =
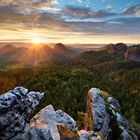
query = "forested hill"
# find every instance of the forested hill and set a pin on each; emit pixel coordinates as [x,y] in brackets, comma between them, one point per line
[65,86]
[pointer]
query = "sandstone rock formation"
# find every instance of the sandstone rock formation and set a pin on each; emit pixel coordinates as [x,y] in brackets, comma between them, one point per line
[106,117]
[59,47]
[16,107]
[49,122]
[119,48]
[86,135]
[133,53]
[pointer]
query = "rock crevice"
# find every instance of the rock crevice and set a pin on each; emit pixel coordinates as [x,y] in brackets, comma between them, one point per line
[107,118]
[106,121]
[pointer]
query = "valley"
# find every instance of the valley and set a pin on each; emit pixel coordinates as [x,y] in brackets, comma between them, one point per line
[65,83]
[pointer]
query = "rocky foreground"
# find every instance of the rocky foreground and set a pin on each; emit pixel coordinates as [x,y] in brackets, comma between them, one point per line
[105,121]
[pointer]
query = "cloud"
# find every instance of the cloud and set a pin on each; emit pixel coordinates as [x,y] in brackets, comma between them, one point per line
[129,25]
[109,7]
[83,12]
[28,6]
[28,2]
[57,22]
[134,10]
[33,16]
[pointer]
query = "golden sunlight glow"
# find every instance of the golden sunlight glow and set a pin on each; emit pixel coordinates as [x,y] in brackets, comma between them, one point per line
[39,36]
[37,41]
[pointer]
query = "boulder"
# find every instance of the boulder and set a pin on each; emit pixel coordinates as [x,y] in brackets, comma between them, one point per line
[103,116]
[16,107]
[96,108]
[107,118]
[51,123]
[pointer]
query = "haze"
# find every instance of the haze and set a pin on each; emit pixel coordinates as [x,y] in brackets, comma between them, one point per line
[70,21]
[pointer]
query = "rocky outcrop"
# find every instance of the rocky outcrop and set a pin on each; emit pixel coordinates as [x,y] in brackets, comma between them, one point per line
[96,108]
[133,53]
[59,47]
[86,135]
[118,48]
[57,125]
[103,112]
[16,107]
[50,122]
[106,117]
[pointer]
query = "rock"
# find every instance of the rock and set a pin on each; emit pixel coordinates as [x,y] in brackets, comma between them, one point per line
[96,108]
[39,132]
[133,53]
[59,47]
[119,48]
[50,121]
[103,116]
[44,123]
[16,107]
[107,118]
[114,103]
[22,135]
[86,135]
[125,135]
[66,133]
[122,121]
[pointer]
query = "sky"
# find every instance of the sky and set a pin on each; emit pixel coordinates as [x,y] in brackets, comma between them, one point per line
[70,21]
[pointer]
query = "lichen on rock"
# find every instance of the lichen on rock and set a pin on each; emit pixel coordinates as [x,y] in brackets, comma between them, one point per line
[16,107]
[49,119]
[107,118]
[103,119]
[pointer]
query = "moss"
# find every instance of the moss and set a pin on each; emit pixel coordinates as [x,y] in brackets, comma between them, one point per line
[66,134]
[101,135]
[104,94]
[84,122]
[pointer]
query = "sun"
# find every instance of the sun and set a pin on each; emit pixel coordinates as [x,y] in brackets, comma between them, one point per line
[37,41]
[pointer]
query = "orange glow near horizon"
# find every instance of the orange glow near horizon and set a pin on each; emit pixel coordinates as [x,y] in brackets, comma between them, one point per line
[37,41]
[69,21]
[39,36]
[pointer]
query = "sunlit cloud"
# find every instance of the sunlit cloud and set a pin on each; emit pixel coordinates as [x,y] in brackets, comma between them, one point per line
[72,21]
[133,10]
[28,6]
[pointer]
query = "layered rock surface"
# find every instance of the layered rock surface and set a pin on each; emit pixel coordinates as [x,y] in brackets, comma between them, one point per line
[133,53]
[119,48]
[48,122]
[106,117]
[16,107]
[106,121]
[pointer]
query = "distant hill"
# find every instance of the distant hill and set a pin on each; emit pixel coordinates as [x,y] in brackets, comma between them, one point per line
[62,49]
[11,54]
[116,48]
[89,58]
[35,55]
[65,86]
[133,53]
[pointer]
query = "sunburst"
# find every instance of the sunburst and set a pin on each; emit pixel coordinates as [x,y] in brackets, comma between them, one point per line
[37,41]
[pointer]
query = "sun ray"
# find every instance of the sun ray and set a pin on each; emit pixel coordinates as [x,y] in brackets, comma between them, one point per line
[37,41]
